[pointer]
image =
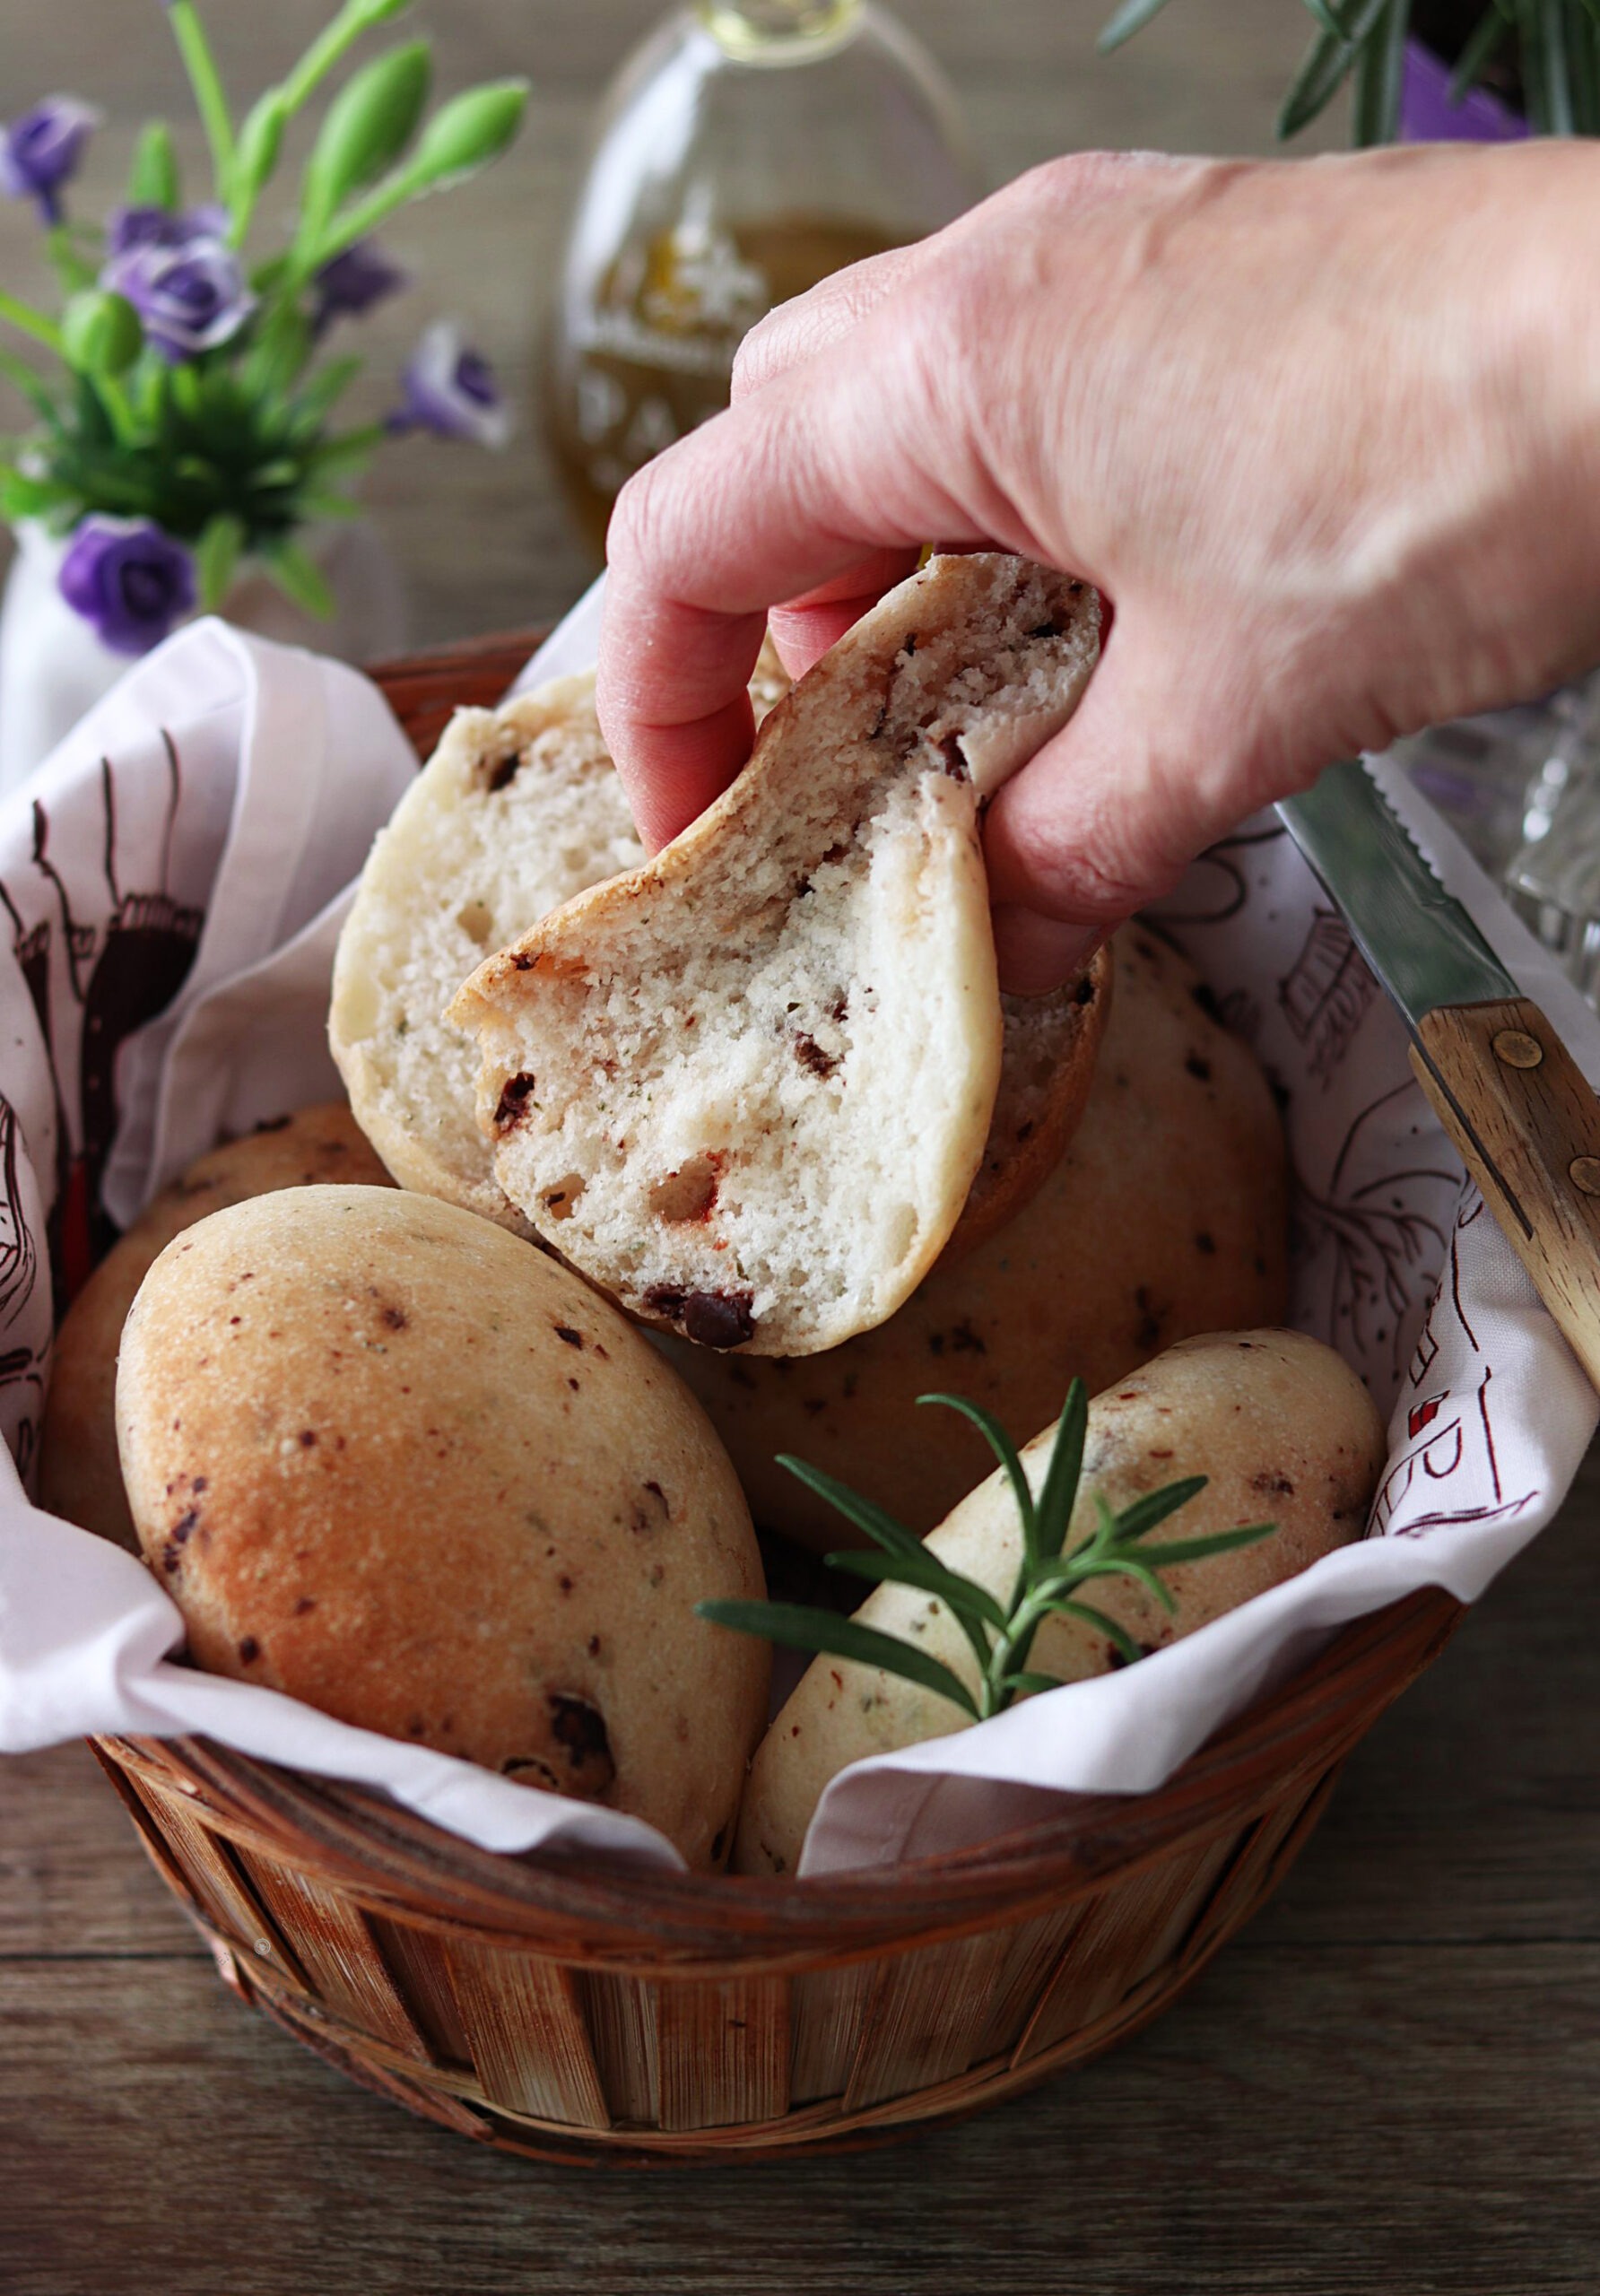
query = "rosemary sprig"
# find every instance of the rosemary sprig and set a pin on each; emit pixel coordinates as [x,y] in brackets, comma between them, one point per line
[999,1635]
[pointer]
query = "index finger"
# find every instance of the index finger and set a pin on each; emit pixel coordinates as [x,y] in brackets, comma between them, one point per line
[788,491]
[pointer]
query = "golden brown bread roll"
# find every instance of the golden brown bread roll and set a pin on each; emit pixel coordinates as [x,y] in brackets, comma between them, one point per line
[393,1460]
[1166,1216]
[79,1478]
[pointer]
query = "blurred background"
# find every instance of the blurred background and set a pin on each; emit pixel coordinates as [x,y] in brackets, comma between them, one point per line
[486,541]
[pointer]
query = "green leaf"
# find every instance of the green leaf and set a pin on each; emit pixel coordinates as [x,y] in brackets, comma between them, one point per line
[1325,17]
[1141,1514]
[23,496]
[1028,1685]
[369,124]
[316,399]
[1560,116]
[1005,1451]
[1172,1552]
[216,558]
[799,1628]
[153,180]
[880,1526]
[326,506]
[963,1596]
[205,81]
[21,378]
[1485,42]
[277,357]
[1059,1491]
[1375,110]
[1118,1636]
[300,579]
[1127,1566]
[1130,18]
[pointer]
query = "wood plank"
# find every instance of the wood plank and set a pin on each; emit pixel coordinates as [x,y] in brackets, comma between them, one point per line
[526,2035]
[1309,2122]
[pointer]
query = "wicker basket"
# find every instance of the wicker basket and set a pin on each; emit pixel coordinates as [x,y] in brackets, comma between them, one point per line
[587,2015]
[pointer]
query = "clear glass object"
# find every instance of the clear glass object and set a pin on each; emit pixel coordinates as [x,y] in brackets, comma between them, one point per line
[1521,787]
[747,149]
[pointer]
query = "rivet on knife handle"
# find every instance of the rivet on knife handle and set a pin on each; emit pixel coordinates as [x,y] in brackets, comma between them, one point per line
[1518,1108]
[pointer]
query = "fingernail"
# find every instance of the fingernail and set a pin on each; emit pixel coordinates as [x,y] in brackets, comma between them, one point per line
[1036,953]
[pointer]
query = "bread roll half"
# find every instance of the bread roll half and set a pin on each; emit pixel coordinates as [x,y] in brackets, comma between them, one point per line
[746,1089]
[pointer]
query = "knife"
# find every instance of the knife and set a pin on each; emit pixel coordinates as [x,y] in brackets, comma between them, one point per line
[1499,1079]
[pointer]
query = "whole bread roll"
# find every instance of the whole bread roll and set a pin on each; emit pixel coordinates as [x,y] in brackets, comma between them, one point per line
[1167,1216]
[391,1459]
[79,1476]
[746,1088]
[1284,1433]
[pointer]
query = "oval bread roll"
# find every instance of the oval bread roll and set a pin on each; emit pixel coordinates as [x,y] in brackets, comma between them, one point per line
[1168,1215]
[746,1088]
[399,1464]
[1286,1433]
[79,1478]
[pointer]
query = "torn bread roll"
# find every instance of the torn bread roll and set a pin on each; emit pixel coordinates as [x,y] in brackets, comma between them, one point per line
[746,1089]
[517,809]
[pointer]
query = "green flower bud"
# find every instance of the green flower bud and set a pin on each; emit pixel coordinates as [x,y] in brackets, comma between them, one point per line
[467,132]
[153,180]
[369,124]
[368,13]
[100,332]
[260,140]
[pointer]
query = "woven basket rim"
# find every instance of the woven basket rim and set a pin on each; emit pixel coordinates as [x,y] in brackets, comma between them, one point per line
[360,1840]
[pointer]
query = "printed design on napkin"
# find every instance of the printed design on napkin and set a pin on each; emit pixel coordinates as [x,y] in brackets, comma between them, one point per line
[1452,1469]
[1325,993]
[25,1310]
[1376,1182]
[104,946]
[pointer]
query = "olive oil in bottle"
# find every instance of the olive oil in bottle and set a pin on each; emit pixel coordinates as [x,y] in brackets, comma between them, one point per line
[748,149]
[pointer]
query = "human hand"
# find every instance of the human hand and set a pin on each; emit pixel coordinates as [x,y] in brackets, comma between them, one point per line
[1326,434]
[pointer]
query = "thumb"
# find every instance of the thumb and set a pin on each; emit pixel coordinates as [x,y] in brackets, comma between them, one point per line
[1108,814]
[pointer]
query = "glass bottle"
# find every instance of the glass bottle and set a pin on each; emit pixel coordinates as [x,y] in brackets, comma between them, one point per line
[747,149]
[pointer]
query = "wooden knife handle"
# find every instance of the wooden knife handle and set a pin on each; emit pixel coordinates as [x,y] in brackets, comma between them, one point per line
[1517,1104]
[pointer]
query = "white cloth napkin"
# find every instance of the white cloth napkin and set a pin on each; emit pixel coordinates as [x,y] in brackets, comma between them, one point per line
[174,881]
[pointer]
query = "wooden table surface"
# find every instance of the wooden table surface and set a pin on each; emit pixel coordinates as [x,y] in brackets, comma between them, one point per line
[1390,2083]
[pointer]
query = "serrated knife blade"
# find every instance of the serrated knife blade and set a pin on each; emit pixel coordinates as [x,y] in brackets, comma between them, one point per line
[1499,1079]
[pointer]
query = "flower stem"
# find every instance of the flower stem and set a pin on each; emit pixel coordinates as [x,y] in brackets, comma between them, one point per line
[330,47]
[205,81]
[31,322]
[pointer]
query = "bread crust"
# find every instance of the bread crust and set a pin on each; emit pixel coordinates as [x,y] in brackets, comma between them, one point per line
[746,1089]
[79,1478]
[395,1462]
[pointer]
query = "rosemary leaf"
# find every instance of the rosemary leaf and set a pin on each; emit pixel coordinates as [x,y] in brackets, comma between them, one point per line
[964,1596]
[1005,1451]
[880,1526]
[1130,18]
[1142,1514]
[1059,1491]
[1171,1552]
[1028,1685]
[1118,1636]
[1484,43]
[800,1627]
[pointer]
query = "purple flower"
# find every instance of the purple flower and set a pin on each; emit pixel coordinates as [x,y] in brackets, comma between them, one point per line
[190,297]
[351,282]
[451,390]
[128,579]
[41,150]
[158,227]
